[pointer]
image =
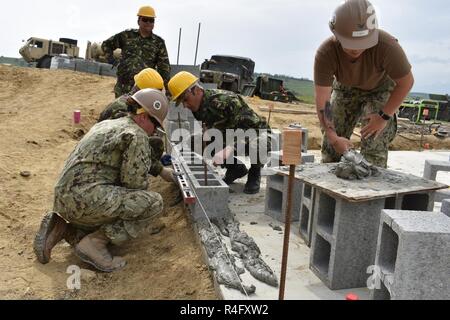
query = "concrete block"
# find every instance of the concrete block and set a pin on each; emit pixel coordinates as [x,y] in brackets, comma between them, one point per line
[62,63]
[213,196]
[415,202]
[87,66]
[445,208]
[344,238]
[442,195]
[413,256]
[276,197]
[433,167]
[307,213]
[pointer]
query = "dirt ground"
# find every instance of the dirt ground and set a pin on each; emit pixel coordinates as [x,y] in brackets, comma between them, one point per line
[36,133]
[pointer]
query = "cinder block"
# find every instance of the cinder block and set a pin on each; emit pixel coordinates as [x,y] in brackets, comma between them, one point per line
[62,63]
[415,202]
[307,213]
[413,256]
[344,238]
[177,113]
[87,66]
[276,197]
[441,195]
[433,167]
[445,208]
[213,196]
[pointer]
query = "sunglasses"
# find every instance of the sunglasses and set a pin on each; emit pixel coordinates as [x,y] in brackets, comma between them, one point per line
[147,20]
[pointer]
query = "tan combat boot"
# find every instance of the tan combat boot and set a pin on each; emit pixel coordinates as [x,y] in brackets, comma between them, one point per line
[92,249]
[52,230]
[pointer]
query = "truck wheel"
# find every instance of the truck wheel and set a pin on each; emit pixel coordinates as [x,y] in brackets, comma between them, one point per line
[234,87]
[44,62]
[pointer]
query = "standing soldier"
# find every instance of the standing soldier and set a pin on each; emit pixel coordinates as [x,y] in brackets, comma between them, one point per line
[140,49]
[101,196]
[360,74]
[224,110]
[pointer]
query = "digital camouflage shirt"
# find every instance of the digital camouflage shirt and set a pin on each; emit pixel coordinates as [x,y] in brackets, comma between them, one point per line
[115,152]
[226,110]
[118,109]
[138,53]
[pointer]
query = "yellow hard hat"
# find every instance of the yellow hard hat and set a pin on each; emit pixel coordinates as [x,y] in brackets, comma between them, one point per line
[153,102]
[180,83]
[149,79]
[147,11]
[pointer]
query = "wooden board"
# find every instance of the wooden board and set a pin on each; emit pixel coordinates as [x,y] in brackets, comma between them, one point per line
[389,184]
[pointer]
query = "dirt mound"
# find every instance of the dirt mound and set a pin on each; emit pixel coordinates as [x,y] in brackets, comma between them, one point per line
[36,108]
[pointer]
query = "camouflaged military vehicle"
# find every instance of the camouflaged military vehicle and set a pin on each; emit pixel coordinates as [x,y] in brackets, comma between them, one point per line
[43,50]
[228,72]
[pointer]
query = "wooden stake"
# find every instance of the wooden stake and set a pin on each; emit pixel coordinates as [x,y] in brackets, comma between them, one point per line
[292,156]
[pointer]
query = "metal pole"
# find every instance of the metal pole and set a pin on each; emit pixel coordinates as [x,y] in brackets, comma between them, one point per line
[203,151]
[198,39]
[287,232]
[179,46]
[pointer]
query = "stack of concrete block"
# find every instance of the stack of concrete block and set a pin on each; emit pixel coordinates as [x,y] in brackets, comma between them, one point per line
[62,63]
[344,235]
[276,197]
[179,118]
[413,256]
[211,191]
[307,213]
[87,66]
[430,172]
[108,70]
[344,239]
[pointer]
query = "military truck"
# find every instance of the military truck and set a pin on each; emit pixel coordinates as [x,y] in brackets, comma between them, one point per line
[43,50]
[268,88]
[230,73]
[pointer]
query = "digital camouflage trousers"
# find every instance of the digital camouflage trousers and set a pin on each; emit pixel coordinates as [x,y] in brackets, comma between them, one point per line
[350,106]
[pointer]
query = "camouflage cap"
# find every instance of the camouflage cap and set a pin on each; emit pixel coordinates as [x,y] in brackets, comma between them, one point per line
[355,25]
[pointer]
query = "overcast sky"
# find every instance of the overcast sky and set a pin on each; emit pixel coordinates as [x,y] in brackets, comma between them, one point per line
[281,36]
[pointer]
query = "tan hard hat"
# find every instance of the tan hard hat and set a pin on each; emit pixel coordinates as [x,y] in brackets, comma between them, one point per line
[154,102]
[355,25]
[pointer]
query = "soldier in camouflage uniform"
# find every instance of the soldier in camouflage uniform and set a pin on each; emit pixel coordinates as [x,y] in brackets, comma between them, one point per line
[146,79]
[102,190]
[361,74]
[224,110]
[140,49]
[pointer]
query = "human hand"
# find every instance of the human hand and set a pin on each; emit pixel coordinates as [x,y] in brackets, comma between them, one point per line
[341,145]
[375,127]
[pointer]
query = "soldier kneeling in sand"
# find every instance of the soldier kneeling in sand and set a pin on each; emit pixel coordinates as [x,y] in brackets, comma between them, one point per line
[101,196]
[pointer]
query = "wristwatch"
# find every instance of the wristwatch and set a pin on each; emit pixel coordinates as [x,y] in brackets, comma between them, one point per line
[384,115]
